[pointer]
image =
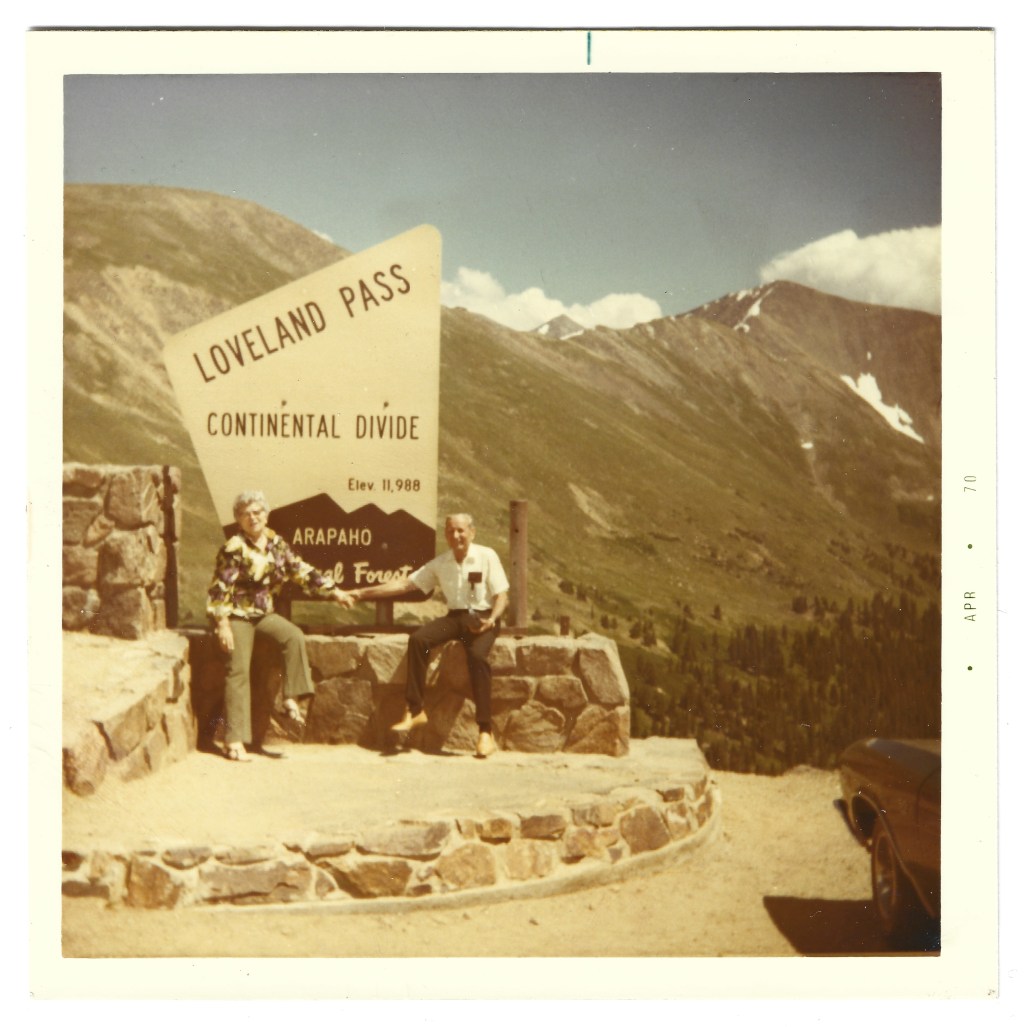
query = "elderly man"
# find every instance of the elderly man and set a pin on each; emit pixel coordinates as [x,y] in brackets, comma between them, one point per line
[476,590]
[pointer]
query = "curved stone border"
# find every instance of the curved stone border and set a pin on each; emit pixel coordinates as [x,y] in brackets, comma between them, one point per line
[493,856]
[588,875]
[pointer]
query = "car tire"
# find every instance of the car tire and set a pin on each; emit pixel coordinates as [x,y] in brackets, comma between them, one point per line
[897,906]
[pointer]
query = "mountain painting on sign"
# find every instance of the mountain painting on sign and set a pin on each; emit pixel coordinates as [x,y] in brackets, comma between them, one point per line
[706,488]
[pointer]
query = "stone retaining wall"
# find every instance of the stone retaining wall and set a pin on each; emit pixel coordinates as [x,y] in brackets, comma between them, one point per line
[562,845]
[121,527]
[126,709]
[549,693]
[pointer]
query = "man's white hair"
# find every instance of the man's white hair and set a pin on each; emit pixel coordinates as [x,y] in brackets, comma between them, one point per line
[468,518]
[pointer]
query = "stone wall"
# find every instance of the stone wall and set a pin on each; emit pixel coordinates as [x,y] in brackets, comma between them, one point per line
[126,709]
[549,694]
[540,849]
[121,527]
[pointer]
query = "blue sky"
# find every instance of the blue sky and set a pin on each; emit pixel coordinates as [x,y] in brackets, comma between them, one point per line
[555,192]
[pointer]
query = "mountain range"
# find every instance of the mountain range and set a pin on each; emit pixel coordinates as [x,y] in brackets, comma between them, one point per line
[730,461]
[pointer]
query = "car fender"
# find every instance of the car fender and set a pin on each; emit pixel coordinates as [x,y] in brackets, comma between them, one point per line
[863,819]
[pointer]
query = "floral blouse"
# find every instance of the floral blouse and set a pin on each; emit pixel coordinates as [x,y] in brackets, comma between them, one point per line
[246,579]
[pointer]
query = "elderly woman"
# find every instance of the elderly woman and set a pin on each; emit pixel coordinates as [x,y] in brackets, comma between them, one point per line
[252,568]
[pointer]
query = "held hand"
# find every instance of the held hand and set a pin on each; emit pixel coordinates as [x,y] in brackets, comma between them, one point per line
[343,599]
[225,638]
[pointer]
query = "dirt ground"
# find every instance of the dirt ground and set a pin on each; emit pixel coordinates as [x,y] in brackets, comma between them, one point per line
[785,877]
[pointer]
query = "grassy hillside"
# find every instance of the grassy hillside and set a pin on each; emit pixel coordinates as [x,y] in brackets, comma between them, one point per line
[709,502]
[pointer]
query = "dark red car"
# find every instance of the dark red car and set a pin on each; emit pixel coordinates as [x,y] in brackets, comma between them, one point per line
[891,792]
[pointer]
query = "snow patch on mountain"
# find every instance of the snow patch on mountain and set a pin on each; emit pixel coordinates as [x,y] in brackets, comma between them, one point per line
[754,310]
[867,388]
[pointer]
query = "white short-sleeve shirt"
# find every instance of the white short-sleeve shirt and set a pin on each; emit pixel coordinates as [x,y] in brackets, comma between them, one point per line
[470,585]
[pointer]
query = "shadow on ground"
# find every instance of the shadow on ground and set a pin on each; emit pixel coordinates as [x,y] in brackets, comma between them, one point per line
[833,927]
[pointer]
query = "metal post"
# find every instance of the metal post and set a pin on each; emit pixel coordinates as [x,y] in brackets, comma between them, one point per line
[518,554]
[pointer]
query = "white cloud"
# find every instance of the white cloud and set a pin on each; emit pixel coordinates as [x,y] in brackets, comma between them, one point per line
[482,293]
[898,269]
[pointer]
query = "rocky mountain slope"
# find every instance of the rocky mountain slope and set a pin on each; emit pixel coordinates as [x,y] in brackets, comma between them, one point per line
[560,327]
[714,461]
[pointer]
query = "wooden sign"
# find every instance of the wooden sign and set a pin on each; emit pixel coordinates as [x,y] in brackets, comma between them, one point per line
[324,395]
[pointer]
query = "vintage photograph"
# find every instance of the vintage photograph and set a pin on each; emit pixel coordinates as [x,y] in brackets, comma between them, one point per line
[504,514]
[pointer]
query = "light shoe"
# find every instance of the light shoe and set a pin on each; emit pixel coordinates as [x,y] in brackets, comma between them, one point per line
[485,745]
[291,710]
[409,721]
[235,751]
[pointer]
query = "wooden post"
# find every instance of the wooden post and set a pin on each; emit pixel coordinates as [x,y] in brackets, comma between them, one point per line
[518,554]
[385,613]
[171,483]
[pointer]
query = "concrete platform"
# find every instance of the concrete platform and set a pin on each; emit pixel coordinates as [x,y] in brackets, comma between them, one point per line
[355,827]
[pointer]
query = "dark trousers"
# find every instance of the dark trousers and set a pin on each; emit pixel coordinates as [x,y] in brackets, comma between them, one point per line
[454,625]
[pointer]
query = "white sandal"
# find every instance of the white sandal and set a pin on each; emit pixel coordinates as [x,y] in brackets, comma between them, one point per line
[235,752]
[293,713]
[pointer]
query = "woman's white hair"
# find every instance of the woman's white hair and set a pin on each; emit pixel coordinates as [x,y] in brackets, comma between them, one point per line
[243,499]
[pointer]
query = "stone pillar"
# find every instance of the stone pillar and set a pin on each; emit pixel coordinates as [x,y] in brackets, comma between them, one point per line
[121,527]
